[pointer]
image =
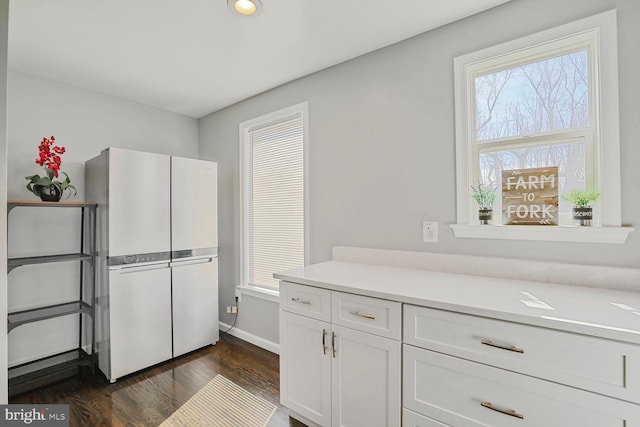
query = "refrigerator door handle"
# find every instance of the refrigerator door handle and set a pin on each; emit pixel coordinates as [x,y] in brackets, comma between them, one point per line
[191,262]
[139,268]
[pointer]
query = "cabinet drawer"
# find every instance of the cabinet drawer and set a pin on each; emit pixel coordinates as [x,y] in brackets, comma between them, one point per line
[306,300]
[373,315]
[460,393]
[411,419]
[600,365]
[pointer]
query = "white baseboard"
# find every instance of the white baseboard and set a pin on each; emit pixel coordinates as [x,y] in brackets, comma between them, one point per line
[251,338]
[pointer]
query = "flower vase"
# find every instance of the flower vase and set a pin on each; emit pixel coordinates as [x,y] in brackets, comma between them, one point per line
[48,193]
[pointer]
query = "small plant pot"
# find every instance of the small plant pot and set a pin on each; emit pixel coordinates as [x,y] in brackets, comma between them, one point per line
[583,214]
[48,193]
[485,215]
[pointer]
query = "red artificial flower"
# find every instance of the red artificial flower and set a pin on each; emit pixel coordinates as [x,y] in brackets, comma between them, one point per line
[49,155]
[50,158]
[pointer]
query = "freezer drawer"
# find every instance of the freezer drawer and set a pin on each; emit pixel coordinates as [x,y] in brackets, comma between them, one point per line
[140,318]
[195,304]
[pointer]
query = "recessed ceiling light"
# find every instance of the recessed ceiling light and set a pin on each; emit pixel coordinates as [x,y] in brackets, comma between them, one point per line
[245,7]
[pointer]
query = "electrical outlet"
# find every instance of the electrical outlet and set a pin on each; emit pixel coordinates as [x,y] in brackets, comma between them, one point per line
[232,309]
[430,231]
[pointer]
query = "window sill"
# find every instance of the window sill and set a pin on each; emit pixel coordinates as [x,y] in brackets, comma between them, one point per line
[272,295]
[617,235]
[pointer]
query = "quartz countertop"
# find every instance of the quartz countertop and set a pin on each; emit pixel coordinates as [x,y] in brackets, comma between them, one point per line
[598,312]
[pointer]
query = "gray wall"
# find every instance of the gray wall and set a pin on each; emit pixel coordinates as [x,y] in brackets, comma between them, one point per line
[382,152]
[85,123]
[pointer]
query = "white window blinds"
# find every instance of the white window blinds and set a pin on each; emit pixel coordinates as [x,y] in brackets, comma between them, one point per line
[275,200]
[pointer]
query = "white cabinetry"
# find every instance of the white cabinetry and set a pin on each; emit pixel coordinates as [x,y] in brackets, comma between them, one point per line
[470,372]
[476,351]
[305,367]
[365,379]
[339,357]
[412,419]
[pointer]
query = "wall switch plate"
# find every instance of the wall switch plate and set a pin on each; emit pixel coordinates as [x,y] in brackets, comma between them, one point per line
[232,309]
[430,231]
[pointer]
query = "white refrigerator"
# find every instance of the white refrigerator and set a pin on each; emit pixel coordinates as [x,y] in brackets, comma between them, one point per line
[156,299]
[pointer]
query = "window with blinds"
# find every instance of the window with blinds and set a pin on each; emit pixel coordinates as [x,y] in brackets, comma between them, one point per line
[274,198]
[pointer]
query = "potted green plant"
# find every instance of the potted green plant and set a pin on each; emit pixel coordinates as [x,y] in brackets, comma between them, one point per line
[485,197]
[582,212]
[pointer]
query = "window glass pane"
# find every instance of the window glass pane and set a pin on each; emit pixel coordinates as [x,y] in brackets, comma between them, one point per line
[538,97]
[569,157]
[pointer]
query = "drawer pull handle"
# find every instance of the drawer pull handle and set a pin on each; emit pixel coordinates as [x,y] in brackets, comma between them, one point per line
[301,301]
[365,315]
[509,412]
[333,344]
[503,347]
[324,345]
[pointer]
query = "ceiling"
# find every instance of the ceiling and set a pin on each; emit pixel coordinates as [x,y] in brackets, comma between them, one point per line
[195,57]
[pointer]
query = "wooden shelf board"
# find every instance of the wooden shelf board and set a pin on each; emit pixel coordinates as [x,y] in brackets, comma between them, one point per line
[41,203]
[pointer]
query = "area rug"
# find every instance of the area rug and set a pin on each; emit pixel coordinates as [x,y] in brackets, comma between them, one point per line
[222,403]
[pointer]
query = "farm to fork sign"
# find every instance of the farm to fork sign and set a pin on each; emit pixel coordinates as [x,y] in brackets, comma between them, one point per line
[530,196]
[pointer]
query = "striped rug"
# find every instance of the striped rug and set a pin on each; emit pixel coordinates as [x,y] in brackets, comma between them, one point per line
[222,403]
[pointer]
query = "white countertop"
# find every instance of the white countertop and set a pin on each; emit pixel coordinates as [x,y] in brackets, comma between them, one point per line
[592,311]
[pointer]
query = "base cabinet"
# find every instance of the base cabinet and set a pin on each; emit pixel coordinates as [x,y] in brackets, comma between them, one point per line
[357,355]
[412,419]
[366,379]
[333,375]
[305,367]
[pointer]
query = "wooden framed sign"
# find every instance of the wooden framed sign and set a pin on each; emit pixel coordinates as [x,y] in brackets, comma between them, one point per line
[530,196]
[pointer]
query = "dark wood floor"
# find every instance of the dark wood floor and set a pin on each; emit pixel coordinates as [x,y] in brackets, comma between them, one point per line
[149,397]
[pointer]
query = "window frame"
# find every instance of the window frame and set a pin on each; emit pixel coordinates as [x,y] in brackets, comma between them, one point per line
[301,109]
[600,32]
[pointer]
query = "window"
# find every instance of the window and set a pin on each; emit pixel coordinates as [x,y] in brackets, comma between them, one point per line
[549,99]
[535,114]
[273,194]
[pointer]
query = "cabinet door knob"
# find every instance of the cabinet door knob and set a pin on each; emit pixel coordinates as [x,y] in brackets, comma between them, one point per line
[301,301]
[365,315]
[509,412]
[502,347]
